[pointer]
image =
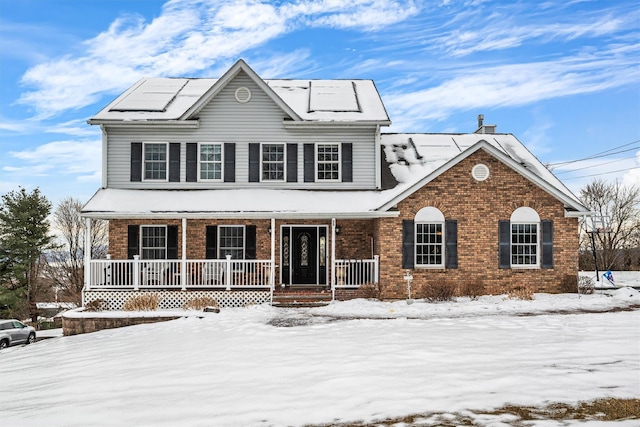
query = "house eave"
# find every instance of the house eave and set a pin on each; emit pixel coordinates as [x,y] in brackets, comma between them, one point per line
[239,215]
[365,124]
[137,124]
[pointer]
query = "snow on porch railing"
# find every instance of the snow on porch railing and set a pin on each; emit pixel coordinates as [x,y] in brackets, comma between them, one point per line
[179,274]
[355,272]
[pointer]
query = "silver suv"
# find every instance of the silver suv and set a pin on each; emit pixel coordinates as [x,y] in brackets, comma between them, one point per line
[14,332]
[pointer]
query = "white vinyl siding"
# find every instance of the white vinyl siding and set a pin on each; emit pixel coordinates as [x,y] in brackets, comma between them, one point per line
[224,120]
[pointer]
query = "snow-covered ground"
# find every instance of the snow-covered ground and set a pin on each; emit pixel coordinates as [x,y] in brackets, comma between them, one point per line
[349,361]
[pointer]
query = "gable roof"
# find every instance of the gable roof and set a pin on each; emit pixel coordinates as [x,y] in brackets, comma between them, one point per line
[416,159]
[179,100]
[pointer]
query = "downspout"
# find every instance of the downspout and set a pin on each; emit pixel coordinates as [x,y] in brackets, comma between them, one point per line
[378,168]
[104,156]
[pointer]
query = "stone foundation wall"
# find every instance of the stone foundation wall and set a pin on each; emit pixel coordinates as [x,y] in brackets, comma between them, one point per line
[84,325]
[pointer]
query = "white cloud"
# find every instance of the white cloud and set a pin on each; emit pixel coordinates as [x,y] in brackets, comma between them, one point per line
[61,158]
[187,38]
[514,85]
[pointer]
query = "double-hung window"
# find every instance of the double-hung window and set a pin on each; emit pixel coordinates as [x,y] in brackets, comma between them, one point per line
[429,238]
[273,162]
[328,162]
[210,164]
[153,241]
[525,248]
[155,161]
[231,239]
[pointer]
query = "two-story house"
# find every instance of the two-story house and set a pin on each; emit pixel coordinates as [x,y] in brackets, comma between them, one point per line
[237,187]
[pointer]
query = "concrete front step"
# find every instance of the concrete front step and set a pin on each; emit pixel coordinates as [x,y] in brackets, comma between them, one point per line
[301,299]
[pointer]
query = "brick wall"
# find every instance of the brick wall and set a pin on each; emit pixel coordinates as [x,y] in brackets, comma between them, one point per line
[478,206]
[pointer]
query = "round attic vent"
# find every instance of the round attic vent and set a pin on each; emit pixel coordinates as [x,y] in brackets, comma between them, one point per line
[243,94]
[480,172]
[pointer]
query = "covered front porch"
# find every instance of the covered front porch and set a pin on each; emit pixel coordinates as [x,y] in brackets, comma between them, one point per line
[286,255]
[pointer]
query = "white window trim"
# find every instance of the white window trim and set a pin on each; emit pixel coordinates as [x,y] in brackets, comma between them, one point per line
[317,162]
[144,162]
[166,242]
[538,245]
[221,162]
[284,161]
[244,238]
[522,216]
[415,244]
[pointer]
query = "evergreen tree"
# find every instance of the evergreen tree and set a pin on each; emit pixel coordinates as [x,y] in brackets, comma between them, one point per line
[24,236]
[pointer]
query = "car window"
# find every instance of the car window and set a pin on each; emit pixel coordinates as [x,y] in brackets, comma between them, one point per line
[18,325]
[4,326]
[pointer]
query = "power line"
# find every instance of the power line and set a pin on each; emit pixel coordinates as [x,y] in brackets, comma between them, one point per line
[601,154]
[593,166]
[603,173]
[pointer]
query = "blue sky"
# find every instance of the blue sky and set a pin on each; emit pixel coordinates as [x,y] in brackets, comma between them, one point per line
[562,76]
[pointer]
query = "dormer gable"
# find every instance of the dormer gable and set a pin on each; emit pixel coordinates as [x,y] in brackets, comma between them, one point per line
[241,95]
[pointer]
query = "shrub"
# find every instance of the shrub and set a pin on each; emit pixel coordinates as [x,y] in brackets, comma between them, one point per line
[522,292]
[199,303]
[586,285]
[145,302]
[96,305]
[473,289]
[569,284]
[441,291]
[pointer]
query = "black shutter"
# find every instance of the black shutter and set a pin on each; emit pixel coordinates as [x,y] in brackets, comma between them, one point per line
[309,162]
[408,249]
[211,242]
[136,161]
[172,242]
[451,243]
[254,162]
[192,162]
[547,244]
[229,162]
[292,162]
[504,244]
[174,162]
[347,162]
[250,242]
[133,241]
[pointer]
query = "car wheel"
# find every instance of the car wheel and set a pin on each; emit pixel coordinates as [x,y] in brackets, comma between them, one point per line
[4,344]
[31,339]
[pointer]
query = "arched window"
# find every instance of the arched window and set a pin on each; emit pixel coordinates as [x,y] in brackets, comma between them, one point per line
[525,238]
[429,238]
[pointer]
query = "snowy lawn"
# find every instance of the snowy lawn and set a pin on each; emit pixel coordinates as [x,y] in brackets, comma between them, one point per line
[349,361]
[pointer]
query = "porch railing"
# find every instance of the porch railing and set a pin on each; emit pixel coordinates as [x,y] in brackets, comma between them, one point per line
[355,272]
[180,274]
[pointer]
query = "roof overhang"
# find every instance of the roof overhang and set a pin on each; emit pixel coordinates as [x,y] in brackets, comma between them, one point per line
[165,124]
[288,124]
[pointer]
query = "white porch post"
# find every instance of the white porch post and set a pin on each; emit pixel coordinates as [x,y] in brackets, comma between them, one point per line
[333,258]
[183,267]
[87,253]
[273,254]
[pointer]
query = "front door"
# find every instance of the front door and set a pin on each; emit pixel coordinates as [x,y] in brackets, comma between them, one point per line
[304,255]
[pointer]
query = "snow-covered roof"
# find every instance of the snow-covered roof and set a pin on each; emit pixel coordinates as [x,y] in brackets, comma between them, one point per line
[247,203]
[178,99]
[415,159]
